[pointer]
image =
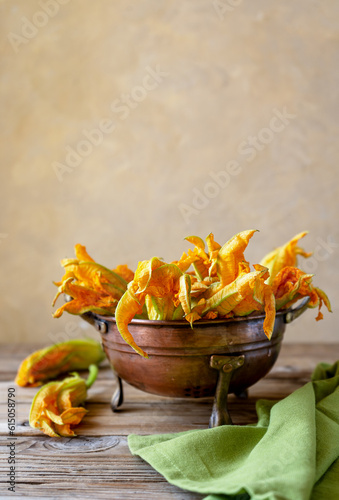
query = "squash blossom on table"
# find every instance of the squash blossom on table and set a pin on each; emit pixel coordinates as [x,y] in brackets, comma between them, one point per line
[205,283]
[57,405]
[49,363]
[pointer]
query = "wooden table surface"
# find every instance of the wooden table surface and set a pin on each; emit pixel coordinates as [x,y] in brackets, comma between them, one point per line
[97,464]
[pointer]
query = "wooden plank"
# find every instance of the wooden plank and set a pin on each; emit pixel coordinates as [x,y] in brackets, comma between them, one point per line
[85,467]
[98,464]
[147,418]
[144,414]
[297,355]
[102,392]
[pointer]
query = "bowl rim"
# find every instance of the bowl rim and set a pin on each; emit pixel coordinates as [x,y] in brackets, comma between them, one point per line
[202,322]
[181,322]
[295,312]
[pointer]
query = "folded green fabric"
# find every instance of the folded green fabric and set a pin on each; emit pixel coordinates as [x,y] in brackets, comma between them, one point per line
[290,454]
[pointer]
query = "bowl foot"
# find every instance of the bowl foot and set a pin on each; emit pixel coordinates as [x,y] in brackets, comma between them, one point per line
[226,365]
[242,395]
[118,395]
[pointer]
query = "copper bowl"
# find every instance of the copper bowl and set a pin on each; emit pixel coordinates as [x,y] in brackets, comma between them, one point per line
[214,358]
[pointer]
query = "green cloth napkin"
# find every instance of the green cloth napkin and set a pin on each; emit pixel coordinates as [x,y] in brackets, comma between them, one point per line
[291,453]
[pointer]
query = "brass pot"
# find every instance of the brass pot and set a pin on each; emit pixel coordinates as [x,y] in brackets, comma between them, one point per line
[214,358]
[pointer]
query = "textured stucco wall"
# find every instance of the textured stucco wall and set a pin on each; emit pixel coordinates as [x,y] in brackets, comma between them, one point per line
[182,91]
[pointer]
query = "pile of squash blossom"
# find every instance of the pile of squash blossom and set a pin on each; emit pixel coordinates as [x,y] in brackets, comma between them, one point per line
[208,283]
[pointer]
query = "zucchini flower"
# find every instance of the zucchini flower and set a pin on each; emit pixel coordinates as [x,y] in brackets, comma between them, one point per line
[57,405]
[50,362]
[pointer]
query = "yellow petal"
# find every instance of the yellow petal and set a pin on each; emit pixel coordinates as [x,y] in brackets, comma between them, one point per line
[198,287]
[289,285]
[196,241]
[53,416]
[211,315]
[125,272]
[45,426]
[153,278]
[270,311]
[178,313]
[69,262]
[185,261]
[51,361]
[144,272]
[164,280]
[101,300]
[196,311]
[87,273]
[284,256]
[226,299]
[73,416]
[75,291]
[200,269]
[159,308]
[72,393]
[78,308]
[292,284]
[47,411]
[81,253]
[128,307]
[64,430]
[201,262]
[213,250]
[184,294]
[212,245]
[44,398]
[323,297]
[231,255]
[254,291]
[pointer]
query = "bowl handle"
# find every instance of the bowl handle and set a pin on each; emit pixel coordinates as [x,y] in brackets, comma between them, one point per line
[293,314]
[99,324]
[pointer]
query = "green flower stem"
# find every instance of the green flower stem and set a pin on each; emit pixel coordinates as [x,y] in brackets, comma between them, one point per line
[93,372]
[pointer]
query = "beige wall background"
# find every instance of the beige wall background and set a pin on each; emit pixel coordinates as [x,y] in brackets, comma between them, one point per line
[185,92]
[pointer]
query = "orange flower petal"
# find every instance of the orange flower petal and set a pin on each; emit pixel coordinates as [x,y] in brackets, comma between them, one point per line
[231,255]
[81,253]
[128,307]
[163,281]
[47,412]
[125,272]
[196,241]
[184,294]
[50,362]
[185,261]
[160,308]
[270,312]
[87,273]
[284,256]
[213,246]
[144,272]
